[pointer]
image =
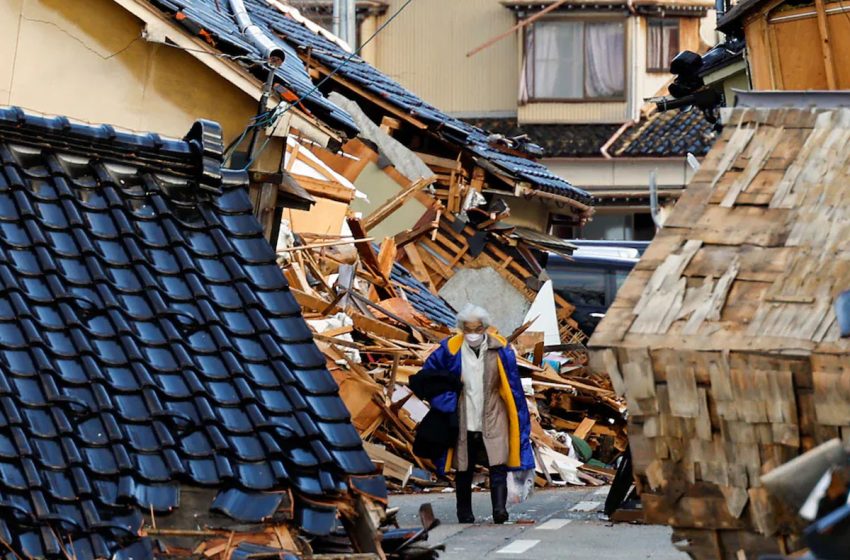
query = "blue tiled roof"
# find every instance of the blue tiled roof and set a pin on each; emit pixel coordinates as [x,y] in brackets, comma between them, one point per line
[148,341]
[204,13]
[420,297]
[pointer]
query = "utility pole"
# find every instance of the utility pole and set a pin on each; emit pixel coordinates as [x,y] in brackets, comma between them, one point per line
[345,21]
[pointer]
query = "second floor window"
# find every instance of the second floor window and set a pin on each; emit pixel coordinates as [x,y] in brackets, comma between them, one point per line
[662,43]
[568,60]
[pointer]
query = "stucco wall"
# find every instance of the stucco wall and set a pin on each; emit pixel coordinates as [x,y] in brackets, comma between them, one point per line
[425,50]
[87,59]
[621,173]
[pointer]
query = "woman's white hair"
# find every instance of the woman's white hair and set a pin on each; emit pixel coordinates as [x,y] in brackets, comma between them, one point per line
[471,313]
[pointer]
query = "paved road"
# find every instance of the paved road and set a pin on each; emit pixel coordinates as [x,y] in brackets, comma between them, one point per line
[562,523]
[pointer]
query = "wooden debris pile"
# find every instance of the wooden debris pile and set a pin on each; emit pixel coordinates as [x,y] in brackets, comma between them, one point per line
[578,424]
[376,324]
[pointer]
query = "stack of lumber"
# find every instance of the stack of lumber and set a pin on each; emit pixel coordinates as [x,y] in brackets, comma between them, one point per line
[376,325]
[724,337]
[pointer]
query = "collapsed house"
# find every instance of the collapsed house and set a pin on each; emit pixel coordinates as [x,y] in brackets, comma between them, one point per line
[161,392]
[191,58]
[724,339]
[416,164]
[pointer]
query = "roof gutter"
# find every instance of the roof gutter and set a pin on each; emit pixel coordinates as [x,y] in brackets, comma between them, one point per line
[616,136]
[255,35]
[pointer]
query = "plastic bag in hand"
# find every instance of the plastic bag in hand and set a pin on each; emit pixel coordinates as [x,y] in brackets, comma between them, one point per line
[520,486]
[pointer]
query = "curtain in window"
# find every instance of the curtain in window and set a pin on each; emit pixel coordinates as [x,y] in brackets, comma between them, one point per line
[662,43]
[671,43]
[558,67]
[605,59]
[527,71]
[655,38]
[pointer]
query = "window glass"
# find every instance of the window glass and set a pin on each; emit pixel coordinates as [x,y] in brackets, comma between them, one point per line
[620,277]
[662,43]
[580,286]
[574,60]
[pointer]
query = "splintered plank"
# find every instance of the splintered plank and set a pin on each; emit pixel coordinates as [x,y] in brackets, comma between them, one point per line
[419,270]
[709,309]
[761,152]
[395,202]
[664,294]
[584,428]
[433,262]
[386,257]
[371,326]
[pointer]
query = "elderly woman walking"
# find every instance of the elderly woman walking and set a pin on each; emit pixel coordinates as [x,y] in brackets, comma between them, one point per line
[493,425]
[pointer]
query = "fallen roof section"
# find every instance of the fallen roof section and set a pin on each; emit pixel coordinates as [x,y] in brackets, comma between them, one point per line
[151,353]
[328,57]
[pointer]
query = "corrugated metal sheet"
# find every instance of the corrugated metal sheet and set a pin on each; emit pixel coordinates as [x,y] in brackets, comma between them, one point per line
[425,50]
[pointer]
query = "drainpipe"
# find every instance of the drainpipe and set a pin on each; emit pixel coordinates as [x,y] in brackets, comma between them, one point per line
[270,51]
[348,22]
[634,105]
[614,138]
[337,18]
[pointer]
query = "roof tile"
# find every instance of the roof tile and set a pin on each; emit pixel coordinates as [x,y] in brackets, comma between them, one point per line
[146,344]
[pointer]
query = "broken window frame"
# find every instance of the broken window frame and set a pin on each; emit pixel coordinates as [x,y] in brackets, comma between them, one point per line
[527,72]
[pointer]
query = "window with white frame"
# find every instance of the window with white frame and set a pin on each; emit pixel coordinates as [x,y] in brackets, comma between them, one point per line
[567,60]
[662,43]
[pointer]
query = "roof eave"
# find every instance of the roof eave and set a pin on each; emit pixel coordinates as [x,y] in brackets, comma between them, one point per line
[159,27]
[691,7]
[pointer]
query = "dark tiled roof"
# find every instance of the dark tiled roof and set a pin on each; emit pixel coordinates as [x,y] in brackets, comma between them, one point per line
[205,15]
[667,134]
[205,18]
[722,55]
[557,140]
[420,297]
[148,340]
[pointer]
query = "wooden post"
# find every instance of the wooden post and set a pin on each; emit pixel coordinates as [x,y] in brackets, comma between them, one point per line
[823,29]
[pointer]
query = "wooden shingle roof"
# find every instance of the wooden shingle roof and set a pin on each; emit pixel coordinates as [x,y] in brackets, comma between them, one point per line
[724,337]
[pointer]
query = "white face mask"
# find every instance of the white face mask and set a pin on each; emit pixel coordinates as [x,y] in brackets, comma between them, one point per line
[473,339]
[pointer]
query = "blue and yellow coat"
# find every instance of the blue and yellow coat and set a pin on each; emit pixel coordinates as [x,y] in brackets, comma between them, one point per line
[448,358]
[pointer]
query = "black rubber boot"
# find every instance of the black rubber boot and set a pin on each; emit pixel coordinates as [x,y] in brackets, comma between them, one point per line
[499,496]
[463,491]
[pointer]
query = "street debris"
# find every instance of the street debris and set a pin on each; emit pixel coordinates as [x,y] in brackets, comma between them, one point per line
[377,324]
